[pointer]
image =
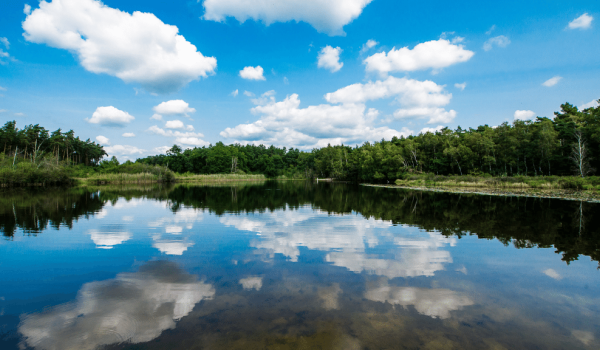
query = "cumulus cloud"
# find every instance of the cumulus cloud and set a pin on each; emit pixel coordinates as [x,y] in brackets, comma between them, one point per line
[128,134]
[582,22]
[326,16]
[591,104]
[137,48]
[552,81]
[460,86]
[435,303]
[102,140]
[252,73]
[184,138]
[27,9]
[499,41]
[123,150]
[419,99]
[174,124]
[524,115]
[173,107]
[329,58]
[285,122]
[110,116]
[431,130]
[435,54]
[368,45]
[234,93]
[136,307]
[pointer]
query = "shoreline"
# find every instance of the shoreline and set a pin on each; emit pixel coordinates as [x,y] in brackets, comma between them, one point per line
[572,195]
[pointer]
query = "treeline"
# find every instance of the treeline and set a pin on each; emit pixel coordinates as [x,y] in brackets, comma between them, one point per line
[35,142]
[569,144]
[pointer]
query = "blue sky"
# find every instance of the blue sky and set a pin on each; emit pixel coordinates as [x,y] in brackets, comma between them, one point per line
[303,71]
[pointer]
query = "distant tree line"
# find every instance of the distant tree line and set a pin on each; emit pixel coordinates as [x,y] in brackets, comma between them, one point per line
[569,144]
[35,142]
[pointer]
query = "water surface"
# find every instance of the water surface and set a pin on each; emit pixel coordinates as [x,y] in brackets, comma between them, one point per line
[296,265]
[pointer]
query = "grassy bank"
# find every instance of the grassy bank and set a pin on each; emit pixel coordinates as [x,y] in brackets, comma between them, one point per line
[591,183]
[43,172]
[189,177]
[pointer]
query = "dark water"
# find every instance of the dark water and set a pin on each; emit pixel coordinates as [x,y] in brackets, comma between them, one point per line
[294,265]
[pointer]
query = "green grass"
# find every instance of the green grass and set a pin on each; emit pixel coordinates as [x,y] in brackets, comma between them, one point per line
[189,177]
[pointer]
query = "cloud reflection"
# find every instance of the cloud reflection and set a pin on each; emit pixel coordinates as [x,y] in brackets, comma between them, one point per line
[347,239]
[174,240]
[108,239]
[436,303]
[134,307]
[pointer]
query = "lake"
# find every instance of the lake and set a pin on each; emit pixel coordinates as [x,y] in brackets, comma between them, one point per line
[295,265]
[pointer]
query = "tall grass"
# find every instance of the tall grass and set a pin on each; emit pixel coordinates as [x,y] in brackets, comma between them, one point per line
[190,177]
[26,172]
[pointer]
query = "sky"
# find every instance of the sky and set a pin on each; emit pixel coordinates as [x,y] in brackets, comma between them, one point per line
[141,76]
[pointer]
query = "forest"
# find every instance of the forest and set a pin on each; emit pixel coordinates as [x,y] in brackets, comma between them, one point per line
[566,145]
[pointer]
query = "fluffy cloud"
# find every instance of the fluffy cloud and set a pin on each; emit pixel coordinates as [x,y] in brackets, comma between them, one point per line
[329,58]
[368,45]
[552,81]
[435,54]
[149,301]
[436,303]
[591,104]
[524,115]
[431,130]
[110,116]
[500,41]
[184,138]
[252,73]
[128,134]
[137,48]
[419,99]
[174,124]
[173,107]
[285,122]
[582,22]
[123,150]
[102,140]
[326,16]
[461,86]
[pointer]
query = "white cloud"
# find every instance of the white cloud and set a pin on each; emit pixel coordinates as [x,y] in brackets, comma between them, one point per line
[183,138]
[435,303]
[419,99]
[285,123]
[150,301]
[286,80]
[329,58]
[460,86]
[492,28]
[252,73]
[3,110]
[435,54]
[174,107]
[102,140]
[128,134]
[27,9]
[524,115]
[2,88]
[5,42]
[248,93]
[552,274]
[500,41]
[591,104]
[110,116]
[368,45]
[156,117]
[174,124]
[122,150]
[431,130]
[19,114]
[161,149]
[234,93]
[582,22]
[552,81]
[251,283]
[137,48]
[326,16]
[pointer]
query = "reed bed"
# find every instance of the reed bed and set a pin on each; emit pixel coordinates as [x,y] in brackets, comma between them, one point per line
[188,177]
[141,178]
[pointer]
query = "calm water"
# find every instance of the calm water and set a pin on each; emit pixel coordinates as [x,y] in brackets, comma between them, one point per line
[294,265]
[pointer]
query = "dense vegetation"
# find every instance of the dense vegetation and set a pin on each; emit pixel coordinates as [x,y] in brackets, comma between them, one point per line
[569,144]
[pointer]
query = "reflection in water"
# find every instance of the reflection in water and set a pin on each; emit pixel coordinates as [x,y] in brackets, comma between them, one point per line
[107,239]
[251,283]
[174,241]
[436,303]
[133,307]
